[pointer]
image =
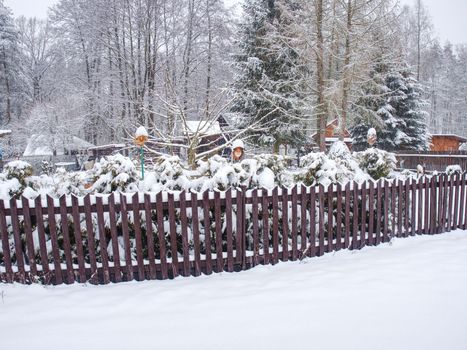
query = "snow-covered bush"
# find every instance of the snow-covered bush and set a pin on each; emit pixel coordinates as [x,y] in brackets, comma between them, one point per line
[14,179]
[325,169]
[453,169]
[69,183]
[169,173]
[47,168]
[377,163]
[18,169]
[114,173]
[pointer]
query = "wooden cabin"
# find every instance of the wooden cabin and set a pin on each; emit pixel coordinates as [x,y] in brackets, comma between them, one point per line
[446,142]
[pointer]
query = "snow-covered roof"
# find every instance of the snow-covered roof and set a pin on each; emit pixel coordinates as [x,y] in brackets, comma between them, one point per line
[203,127]
[4,132]
[111,145]
[333,139]
[41,145]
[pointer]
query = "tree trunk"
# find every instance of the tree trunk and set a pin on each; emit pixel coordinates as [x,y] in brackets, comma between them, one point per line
[346,80]
[321,103]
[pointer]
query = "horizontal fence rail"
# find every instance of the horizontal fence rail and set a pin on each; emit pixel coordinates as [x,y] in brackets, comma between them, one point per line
[145,236]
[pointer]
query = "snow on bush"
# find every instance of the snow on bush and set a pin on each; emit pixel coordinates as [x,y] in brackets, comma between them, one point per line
[377,163]
[14,179]
[18,169]
[115,173]
[453,169]
[336,166]
[119,173]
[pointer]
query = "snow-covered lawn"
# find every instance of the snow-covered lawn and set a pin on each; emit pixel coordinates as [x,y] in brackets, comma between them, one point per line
[411,294]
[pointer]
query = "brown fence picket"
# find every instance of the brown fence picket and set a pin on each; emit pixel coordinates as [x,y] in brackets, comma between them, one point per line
[420,206]
[255,222]
[386,211]
[218,224]
[433,210]
[265,214]
[78,239]
[303,221]
[355,211]
[413,203]
[66,240]
[426,199]
[407,207]
[173,235]
[184,228]
[90,238]
[394,201]
[330,218]
[195,232]
[339,217]
[443,186]
[379,199]
[355,216]
[102,240]
[117,276]
[126,238]
[456,202]
[150,237]
[207,231]
[229,224]
[5,244]
[17,239]
[294,231]
[450,204]
[58,273]
[42,241]
[161,236]
[363,230]
[347,217]
[312,241]
[462,215]
[240,246]
[400,207]
[138,237]
[275,226]
[371,211]
[28,236]
[285,224]
[321,220]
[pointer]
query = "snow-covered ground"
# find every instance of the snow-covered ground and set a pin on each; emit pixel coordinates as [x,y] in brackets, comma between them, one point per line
[411,294]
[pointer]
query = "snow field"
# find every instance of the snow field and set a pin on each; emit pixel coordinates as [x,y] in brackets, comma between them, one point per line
[409,294]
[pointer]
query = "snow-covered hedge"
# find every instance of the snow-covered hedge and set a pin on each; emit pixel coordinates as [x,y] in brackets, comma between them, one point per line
[119,173]
[453,169]
[376,163]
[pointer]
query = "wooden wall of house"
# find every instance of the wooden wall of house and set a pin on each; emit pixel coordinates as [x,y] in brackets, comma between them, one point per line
[445,143]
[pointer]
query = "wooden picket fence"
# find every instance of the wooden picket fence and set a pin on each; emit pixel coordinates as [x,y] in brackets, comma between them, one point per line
[431,160]
[75,239]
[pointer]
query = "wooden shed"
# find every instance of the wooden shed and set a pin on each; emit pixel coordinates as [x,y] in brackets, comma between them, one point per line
[446,142]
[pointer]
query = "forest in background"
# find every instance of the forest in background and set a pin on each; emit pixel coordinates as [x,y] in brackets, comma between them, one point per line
[280,71]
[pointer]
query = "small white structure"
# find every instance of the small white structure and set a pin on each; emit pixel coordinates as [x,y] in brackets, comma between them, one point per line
[44,145]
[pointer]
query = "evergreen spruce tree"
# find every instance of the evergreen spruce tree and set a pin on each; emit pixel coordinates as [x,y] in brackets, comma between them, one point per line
[391,103]
[408,107]
[268,91]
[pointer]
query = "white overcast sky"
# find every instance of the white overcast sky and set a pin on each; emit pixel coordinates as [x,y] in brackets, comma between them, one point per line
[449,16]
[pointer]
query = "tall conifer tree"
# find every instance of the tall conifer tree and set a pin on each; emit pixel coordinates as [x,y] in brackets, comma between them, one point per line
[268,91]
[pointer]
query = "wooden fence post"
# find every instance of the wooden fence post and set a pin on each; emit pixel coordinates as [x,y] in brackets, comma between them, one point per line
[5,244]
